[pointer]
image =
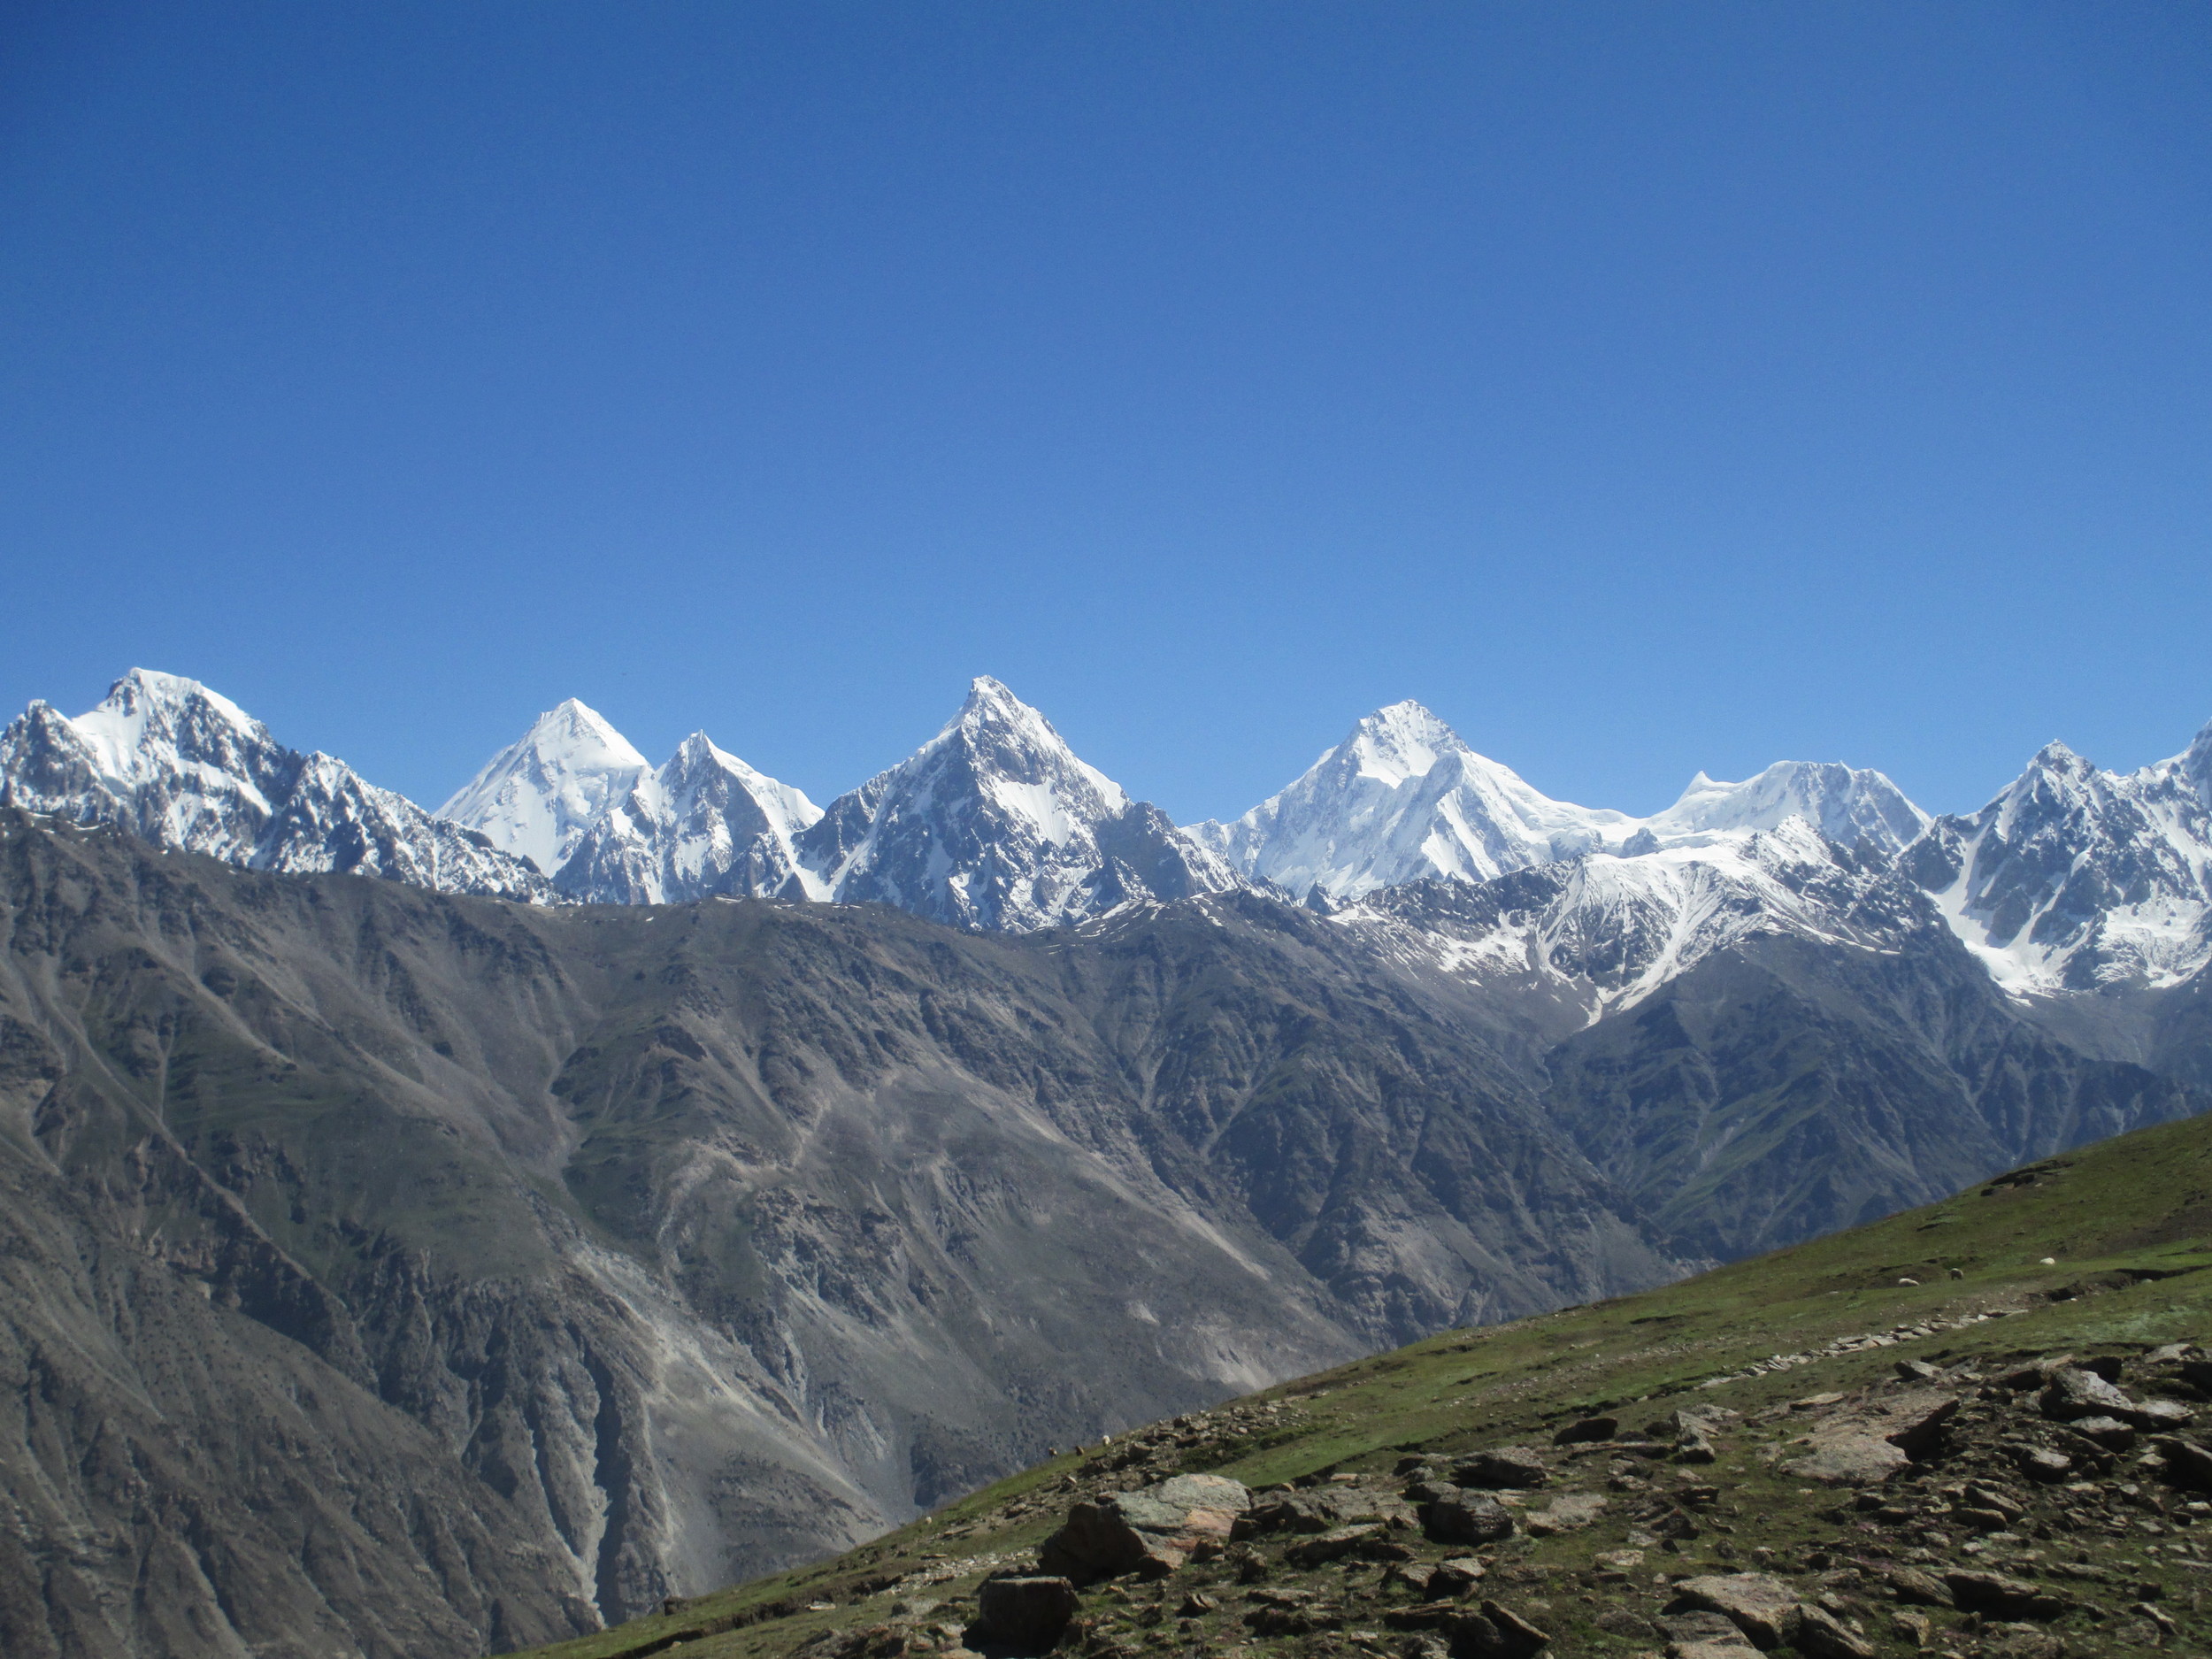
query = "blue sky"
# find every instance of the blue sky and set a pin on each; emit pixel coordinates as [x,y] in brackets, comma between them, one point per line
[1643,388]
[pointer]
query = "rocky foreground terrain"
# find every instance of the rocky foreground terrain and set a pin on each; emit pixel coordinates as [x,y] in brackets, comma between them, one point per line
[1969,1446]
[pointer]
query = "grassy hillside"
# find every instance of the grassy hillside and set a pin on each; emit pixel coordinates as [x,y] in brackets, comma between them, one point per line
[2127,1226]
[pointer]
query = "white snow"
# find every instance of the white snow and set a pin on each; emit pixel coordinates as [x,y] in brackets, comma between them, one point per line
[540,796]
[2074,878]
[994,823]
[187,768]
[704,824]
[1615,929]
[1404,798]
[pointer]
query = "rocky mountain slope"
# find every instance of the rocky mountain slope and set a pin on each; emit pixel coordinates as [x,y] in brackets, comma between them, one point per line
[600,1253]
[595,1254]
[1977,1429]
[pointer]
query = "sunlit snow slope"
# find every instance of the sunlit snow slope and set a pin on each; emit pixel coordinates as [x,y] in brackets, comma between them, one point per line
[1404,798]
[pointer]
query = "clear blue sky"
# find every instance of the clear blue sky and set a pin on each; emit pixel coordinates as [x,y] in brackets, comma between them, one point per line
[1644,388]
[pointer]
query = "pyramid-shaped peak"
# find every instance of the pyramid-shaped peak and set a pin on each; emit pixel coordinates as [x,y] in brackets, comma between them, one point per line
[2056,756]
[990,700]
[1403,740]
[994,717]
[1407,718]
[573,727]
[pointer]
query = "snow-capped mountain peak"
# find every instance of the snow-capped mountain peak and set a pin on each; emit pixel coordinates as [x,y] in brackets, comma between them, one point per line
[704,824]
[2194,765]
[1026,765]
[149,721]
[1404,798]
[995,823]
[184,767]
[1846,804]
[538,797]
[2074,878]
[1602,931]
[1399,743]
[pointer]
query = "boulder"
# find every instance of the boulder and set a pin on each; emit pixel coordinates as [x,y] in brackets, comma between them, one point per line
[2162,1415]
[1676,1524]
[1849,1460]
[1866,1446]
[1565,1513]
[1759,1604]
[1917,1589]
[1287,1621]
[1730,1646]
[1691,1433]
[1153,1531]
[1507,1468]
[1587,1431]
[2043,1466]
[2110,1433]
[1025,1614]
[1821,1635]
[2187,1463]
[1993,1593]
[1455,1576]
[1425,1616]
[1498,1633]
[1703,1634]
[2073,1392]
[1333,1545]
[1461,1516]
[1913,1422]
[1323,1509]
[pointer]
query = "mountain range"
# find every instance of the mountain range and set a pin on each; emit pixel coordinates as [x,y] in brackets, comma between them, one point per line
[2072,880]
[655,1180]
